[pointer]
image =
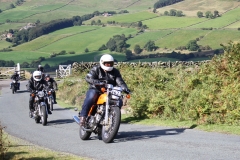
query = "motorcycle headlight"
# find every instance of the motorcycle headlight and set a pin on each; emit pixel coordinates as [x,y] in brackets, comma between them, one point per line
[14,81]
[41,94]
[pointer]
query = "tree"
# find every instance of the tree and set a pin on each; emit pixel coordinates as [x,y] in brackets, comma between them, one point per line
[192,45]
[150,46]
[216,14]
[173,12]
[207,14]
[93,22]
[179,13]
[10,31]
[99,21]
[0,10]
[154,10]
[11,6]
[128,53]
[86,50]
[137,49]
[139,24]
[200,14]
[166,13]
[103,47]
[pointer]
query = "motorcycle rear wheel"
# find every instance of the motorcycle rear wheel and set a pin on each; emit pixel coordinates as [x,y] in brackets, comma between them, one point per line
[110,131]
[84,135]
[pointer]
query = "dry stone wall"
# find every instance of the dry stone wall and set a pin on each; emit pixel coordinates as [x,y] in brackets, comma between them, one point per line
[86,66]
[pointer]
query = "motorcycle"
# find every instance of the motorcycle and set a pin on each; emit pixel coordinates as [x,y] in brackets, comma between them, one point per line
[104,116]
[15,86]
[40,107]
[50,99]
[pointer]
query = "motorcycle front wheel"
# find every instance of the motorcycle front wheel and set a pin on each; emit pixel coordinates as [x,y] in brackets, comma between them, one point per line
[51,104]
[44,115]
[13,90]
[109,131]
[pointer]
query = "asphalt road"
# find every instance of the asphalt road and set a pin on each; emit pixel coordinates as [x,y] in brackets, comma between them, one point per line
[133,142]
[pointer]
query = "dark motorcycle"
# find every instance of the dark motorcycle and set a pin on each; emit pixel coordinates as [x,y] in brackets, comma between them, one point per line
[40,107]
[104,116]
[50,99]
[15,86]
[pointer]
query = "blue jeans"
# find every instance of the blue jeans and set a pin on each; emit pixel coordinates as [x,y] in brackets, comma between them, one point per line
[91,98]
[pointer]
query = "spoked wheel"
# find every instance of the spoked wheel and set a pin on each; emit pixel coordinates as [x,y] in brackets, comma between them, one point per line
[109,131]
[44,115]
[84,135]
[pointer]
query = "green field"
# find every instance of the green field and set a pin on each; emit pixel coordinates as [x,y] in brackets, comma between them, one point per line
[143,38]
[4,44]
[179,38]
[168,22]
[215,38]
[220,22]
[6,26]
[92,40]
[166,31]
[22,56]
[53,37]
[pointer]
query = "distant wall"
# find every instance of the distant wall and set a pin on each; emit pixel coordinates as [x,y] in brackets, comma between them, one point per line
[85,66]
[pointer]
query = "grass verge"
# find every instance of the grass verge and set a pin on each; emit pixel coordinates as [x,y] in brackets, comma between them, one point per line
[19,149]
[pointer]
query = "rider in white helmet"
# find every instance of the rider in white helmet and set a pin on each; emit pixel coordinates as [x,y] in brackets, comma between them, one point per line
[35,83]
[105,71]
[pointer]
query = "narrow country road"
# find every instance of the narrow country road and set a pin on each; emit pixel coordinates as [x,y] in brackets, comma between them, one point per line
[133,142]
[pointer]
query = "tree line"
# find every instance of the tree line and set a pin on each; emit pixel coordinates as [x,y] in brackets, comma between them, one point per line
[163,3]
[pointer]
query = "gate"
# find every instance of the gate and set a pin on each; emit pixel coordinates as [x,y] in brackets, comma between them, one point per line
[7,72]
[64,71]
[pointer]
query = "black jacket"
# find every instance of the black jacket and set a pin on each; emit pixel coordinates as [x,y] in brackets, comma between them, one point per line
[52,84]
[15,77]
[36,85]
[113,77]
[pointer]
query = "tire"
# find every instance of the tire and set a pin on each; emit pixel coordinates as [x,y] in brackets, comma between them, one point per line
[84,135]
[109,132]
[44,115]
[13,89]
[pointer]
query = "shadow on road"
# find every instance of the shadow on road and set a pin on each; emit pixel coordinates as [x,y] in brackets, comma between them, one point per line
[139,135]
[60,109]
[60,121]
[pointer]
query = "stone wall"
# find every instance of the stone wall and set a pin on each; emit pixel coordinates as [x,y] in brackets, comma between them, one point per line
[86,66]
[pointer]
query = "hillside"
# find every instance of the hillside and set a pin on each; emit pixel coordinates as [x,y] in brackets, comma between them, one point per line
[168,32]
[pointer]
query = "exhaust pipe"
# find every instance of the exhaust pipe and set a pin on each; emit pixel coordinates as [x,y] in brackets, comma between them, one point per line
[76,119]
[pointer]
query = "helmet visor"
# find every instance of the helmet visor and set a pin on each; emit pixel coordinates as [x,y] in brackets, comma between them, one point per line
[108,64]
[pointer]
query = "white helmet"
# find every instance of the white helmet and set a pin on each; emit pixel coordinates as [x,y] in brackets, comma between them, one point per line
[106,58]
[37,75]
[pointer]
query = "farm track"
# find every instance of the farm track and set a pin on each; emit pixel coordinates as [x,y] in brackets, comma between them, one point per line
[63,38]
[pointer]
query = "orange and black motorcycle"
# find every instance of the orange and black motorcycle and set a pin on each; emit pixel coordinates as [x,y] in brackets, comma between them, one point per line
[104,117]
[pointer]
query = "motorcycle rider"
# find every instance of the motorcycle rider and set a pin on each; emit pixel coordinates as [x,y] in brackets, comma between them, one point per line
[35,83]
[40,68]
[15,77]
[51,84]
[105,71]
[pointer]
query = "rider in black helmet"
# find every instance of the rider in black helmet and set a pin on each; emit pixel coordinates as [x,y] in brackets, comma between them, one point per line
[52,84]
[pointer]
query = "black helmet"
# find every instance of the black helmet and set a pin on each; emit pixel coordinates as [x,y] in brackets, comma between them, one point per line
[47,75]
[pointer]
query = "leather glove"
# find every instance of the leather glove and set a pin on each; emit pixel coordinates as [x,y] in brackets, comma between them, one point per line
[127,91]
